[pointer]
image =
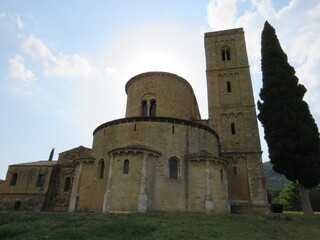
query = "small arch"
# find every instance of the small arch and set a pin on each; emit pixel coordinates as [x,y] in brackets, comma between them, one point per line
[173,168]
[67,184]
[153,108]
[228,86]
[126,166]
[101,169]
[144,108]
[14,178]
[233,129]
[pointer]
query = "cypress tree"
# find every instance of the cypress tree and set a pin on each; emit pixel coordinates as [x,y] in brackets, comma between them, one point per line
[290,130]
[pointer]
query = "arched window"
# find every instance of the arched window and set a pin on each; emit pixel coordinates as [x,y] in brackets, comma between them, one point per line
[225,54]
[173,168]
[13,179]
[153,108]
[67,184]
[126,166]
[144,108]
[233,129]
[101,169]
[229,86]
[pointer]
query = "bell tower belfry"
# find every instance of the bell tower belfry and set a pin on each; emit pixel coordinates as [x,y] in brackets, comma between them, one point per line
[232,115]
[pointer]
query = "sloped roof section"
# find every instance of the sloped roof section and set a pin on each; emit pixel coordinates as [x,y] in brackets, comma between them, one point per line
[38,163]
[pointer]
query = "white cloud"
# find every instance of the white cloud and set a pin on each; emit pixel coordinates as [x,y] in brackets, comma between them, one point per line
[58,64]
[18,71]
[19,22]
[3,15]
[314,12]
[24,78]
[222,14]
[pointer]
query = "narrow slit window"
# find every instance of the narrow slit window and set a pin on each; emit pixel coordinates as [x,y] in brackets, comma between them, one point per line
[233,129]
[229,86]
[135,127]
[40,181]
[172,129]
[101,169]
[173,168]
[13,179]
[67,184]
[126,166]
[235,171]
[144,108]
[153,108]
[221,175]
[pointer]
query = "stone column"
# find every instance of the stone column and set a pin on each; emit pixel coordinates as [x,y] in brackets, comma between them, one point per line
[209,201]
[75,189]
[106,199]
[143,197]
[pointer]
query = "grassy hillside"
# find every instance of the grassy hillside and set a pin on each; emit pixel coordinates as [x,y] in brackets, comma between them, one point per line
[274,179]
[173,226]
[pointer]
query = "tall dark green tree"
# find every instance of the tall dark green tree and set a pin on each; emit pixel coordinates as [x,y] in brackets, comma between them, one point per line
[290,130]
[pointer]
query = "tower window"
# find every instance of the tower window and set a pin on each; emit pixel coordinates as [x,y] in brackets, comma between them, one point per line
[101,169]
[126,166]
[221,175]
[173,168]
[229,86]
[172,129]
[225,54]
[153,108]
[40,181]
[67,184]
[13,179]
[144,108]
[233,129]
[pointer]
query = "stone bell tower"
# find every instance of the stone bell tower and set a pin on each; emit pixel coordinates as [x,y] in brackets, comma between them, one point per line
[232,115]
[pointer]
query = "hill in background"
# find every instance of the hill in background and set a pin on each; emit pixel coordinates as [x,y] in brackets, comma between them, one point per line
[274,179]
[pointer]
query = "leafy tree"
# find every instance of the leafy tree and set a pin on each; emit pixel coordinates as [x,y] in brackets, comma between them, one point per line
[290,130]
[290,197]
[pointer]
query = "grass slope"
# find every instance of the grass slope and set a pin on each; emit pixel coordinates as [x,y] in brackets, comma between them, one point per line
[168,226]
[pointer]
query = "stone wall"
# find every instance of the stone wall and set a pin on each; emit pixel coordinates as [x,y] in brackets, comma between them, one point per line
[22,202]
[176,102]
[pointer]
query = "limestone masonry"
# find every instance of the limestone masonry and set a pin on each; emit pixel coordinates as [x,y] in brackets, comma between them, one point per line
[162,156]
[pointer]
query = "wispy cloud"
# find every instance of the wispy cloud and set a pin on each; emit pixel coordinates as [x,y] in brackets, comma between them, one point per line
[3,15]
[56,64]
[20,24]
[24,78]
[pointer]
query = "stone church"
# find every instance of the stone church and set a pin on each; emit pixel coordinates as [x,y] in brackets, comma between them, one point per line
[161,156]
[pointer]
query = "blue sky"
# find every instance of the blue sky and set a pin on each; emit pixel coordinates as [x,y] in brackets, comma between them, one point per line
[64,64]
